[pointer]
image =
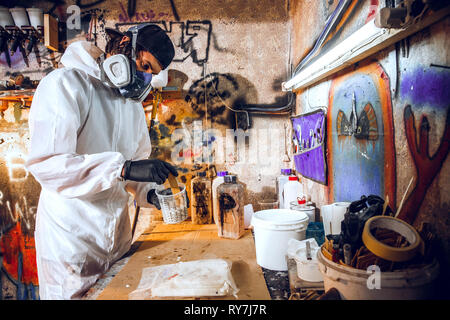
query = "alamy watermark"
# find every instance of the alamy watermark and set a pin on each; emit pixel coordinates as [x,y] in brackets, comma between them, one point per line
[374,280]
[263,146]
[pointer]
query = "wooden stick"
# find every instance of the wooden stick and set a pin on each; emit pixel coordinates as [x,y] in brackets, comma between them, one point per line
[403,199]
[386,203]
[174,184]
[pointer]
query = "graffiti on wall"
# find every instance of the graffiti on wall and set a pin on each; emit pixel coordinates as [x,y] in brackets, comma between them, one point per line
[426,92]
[361,135]
[191,39]
[19,195]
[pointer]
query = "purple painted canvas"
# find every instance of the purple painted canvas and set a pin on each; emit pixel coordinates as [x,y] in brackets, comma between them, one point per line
[309,141]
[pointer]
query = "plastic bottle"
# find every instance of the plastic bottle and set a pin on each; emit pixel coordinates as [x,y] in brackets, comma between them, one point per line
[281,180]
[215,183]
[291,191]
[230,219]
[201,199]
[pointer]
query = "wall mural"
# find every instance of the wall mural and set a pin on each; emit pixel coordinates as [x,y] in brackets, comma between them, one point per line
[19,195]
[426,91]
[361,135]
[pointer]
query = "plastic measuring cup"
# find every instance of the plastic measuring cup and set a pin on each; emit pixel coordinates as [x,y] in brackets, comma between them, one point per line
[266,204]
[173,206]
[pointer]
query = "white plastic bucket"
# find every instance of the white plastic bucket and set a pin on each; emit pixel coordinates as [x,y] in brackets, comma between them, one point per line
[273,228]
[20,16]
[5,17]
[309,270]
[352,283]
[332,215]
[309,210]
[36,17]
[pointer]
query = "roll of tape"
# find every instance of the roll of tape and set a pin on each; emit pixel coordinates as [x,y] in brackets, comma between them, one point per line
[385,251]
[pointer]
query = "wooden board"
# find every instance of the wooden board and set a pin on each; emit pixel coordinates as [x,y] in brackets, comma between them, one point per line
[168,244]
[50,32]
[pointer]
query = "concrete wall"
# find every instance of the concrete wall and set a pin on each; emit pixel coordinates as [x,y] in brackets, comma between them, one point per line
[404,87]
[237,50]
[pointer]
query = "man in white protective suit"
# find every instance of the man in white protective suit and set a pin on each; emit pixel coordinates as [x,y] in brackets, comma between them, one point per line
[90,148]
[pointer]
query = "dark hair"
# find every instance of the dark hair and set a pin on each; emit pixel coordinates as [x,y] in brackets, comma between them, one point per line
[113,46]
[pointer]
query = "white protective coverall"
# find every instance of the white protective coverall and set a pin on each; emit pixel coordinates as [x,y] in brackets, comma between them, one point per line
[82,131]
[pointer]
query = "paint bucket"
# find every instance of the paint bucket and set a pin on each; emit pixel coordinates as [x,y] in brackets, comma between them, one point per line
[273,229]
[354,284]
[309,210]
[5,17]
[36,17]
[332,216]
[173,206]
[307,269]
[20,16]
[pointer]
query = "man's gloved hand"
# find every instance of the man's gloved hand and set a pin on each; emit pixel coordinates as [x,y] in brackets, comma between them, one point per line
[152,198]
[152,170]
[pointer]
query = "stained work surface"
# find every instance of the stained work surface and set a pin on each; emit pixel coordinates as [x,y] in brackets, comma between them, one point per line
[167,244]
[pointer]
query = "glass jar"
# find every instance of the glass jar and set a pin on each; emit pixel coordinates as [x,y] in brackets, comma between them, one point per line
[217,181]
[231,208]
[201,212]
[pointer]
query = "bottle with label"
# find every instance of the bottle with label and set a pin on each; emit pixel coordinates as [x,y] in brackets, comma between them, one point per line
[201,199]
[292,190]
[281,180]
[230,220]
[216,182]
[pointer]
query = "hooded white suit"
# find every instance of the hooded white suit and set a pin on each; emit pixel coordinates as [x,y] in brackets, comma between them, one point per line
[82,131]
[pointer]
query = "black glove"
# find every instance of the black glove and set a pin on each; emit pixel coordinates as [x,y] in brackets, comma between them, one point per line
[152,198]
[153,170]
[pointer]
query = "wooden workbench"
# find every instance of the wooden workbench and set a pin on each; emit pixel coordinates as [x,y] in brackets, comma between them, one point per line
[167,244]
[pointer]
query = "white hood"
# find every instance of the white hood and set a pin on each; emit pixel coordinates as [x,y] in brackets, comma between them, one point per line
[82,55]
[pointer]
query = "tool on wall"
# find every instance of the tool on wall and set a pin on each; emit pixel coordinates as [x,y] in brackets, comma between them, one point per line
[4,39]
[131,8]
[19,30]
[17,40]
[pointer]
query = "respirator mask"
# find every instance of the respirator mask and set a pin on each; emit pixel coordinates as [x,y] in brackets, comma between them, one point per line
[121,73]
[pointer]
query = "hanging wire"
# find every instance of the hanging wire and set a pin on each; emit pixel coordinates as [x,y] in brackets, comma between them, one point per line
[224,103]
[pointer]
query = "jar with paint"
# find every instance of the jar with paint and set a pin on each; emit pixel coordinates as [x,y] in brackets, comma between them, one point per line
[281,181]
[231,208]
[292,190]
[201,199]
[217,181]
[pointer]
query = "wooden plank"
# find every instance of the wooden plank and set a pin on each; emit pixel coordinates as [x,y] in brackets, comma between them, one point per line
[50,32]
[168,244]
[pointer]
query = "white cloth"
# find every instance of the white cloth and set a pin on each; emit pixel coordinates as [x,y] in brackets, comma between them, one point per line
[82,131]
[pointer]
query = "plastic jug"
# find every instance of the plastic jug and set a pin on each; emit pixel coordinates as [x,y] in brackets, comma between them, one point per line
[281,181]
[215,201]
[201,212]
[292,190]
[230,220]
